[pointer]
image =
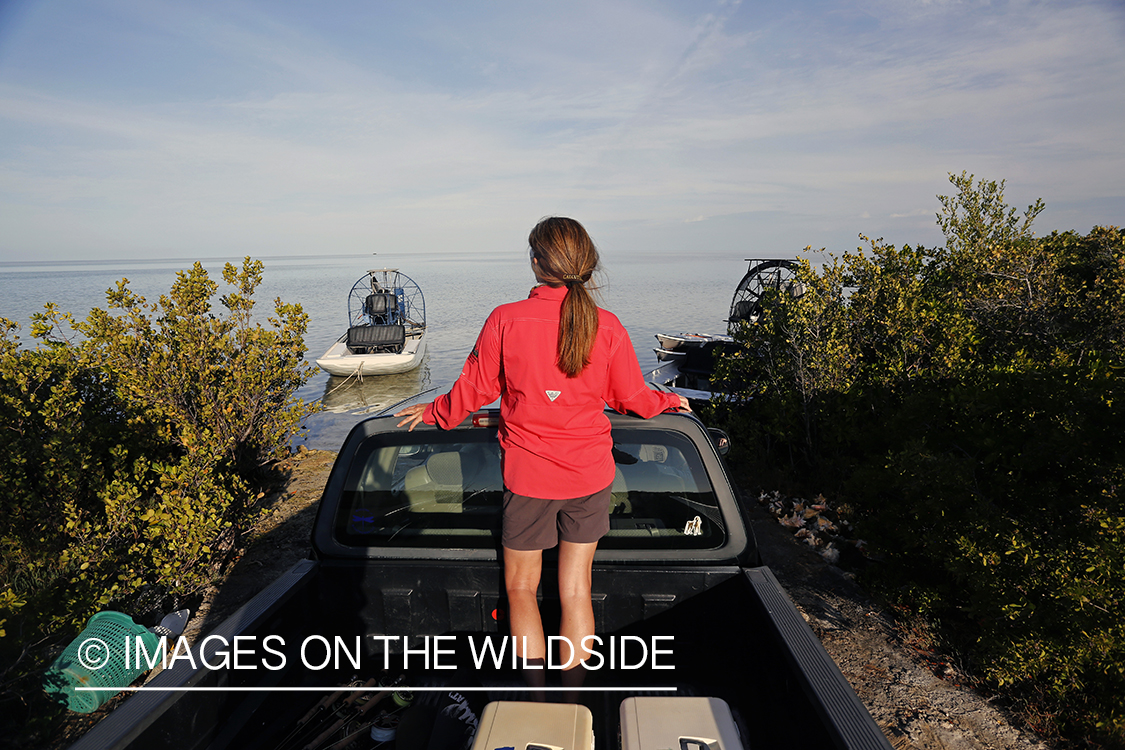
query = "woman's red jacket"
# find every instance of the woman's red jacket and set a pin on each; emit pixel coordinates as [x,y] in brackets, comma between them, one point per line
[553,429]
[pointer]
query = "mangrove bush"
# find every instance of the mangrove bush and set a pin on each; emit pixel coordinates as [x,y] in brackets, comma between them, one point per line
[966,402]
[133,454]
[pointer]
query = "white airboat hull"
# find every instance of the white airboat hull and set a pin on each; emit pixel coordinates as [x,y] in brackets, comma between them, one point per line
[670,342]
[339,360]
[663,355]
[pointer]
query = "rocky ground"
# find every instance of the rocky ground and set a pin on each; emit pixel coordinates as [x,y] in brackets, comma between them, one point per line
[913,695]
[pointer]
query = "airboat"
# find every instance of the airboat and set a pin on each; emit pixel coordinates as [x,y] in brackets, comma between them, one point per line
[765,280]
[687,359]
[386,327]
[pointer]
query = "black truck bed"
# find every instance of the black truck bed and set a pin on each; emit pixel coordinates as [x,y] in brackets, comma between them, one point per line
[719,619]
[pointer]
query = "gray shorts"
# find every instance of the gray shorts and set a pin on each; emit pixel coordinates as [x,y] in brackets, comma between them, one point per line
[534,524]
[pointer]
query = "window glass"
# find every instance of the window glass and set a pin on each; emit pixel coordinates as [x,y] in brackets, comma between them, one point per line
[662,498]
[448,492]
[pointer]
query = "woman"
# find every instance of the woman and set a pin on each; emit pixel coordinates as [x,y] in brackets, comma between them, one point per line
[555,360]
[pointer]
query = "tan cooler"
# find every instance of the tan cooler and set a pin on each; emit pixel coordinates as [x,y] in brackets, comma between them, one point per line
[530,726]
[677,723]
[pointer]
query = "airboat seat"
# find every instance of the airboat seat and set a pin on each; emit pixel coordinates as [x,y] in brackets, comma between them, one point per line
[372,339]
[380,306]
[745,310]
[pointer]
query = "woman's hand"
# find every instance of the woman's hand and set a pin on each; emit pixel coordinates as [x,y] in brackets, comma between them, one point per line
[684,405]
[413,415]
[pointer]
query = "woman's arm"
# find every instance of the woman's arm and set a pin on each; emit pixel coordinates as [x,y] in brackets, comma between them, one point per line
[626,389]
[413,415]
[478,384]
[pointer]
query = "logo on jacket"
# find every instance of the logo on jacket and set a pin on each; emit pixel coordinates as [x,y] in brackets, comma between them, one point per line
[553,394]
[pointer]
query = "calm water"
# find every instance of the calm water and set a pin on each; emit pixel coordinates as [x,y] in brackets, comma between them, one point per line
[648,294]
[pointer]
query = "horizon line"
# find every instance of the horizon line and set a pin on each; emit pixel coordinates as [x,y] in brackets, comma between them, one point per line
[153,261]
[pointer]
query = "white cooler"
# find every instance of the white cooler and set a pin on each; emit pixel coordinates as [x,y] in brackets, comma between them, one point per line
[677,723]
[515,725]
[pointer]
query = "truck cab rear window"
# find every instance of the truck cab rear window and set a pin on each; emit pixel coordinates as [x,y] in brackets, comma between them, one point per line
[447,492]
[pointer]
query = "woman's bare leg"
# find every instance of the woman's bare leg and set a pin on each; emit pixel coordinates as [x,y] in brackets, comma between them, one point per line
[575,570]
[522,569]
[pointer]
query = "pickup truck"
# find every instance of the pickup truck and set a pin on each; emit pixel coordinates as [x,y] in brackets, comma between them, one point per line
[405,581]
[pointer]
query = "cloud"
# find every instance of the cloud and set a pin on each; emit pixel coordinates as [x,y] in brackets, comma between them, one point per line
[283,129]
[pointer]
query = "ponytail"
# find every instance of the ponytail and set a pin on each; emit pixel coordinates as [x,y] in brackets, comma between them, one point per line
[578,328]
[566,255]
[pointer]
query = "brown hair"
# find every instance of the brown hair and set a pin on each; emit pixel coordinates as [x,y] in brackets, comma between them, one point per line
[566,256]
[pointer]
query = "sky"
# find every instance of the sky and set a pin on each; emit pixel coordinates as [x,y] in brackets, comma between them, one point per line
[150,129]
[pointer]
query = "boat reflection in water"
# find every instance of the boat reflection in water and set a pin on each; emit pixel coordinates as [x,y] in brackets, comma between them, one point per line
[367,395]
